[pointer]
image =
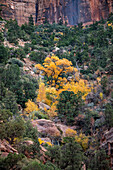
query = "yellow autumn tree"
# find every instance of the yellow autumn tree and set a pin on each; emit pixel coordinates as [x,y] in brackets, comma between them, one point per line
[61,76]
[46,94]
[70,132]
[57,70]
[52,111]
[82,139]
[30,107]
[41,93]
[81,86]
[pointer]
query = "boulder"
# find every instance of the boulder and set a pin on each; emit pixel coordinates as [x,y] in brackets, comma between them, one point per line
[28,142]
[46,127]
[50,129]
[43,105]
[63,128]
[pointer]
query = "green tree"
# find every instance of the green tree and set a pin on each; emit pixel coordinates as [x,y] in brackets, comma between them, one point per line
[46,21]
[99,161]
[72,156]
[104,82]
[2,91]
[31,22]
[20,96]
[60,21]
[1,38]
[15,129]
[69,156]
[37,56]
[28,28]
[35,165]
[29,89]
[109,55]
[69,105]
[109,115]
[55,154]
[3,54]
[19,53]
[10,161]
[30,131]
[5,115]
[11,75]
[10,128]
[13,32]
[9,102]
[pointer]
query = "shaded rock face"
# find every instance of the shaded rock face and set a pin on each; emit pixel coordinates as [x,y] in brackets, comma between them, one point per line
[71,11]
[19,10]
[74,11]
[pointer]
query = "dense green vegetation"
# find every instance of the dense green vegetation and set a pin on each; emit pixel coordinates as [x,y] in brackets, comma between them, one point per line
[90,49]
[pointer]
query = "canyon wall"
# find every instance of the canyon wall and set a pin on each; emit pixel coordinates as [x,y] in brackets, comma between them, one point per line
[71,11]
[18,9]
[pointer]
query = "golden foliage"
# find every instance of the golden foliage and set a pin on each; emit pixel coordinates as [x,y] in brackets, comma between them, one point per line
[61,33]
[54,67]
[43,142]
[81,86]
[101,95]
[82,140]
[46,94]
[30,107]
[41,93]
[70,132]
[52,111]
[110,24]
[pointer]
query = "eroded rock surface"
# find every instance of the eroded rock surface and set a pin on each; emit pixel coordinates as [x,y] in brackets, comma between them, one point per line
[19,10]
[46,127]
[6,148]
[49,128]
[70,11]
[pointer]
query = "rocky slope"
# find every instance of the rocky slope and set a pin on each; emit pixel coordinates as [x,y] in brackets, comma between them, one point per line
[71,11]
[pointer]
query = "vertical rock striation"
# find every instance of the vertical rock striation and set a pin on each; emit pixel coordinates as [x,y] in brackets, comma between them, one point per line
[71,11]
[74,11]
[19,10]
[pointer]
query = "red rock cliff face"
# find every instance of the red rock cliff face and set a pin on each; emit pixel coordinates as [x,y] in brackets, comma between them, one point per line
[72,11]
[18,9]
[100,9]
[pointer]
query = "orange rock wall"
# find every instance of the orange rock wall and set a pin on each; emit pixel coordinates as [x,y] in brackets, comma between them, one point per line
[72,11]
[100,9]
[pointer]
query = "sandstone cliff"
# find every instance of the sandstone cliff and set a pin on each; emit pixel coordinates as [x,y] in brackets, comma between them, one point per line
[72,11]
[19,10]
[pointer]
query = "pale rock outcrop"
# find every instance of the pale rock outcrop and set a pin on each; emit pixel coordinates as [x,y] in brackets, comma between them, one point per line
[46,127]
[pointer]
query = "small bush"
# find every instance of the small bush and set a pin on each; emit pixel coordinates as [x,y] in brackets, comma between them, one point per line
[15,61]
